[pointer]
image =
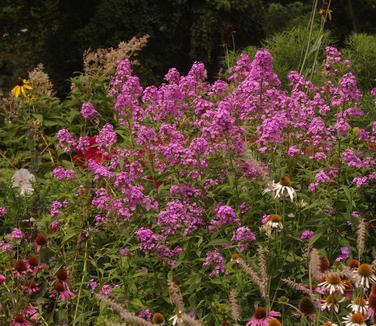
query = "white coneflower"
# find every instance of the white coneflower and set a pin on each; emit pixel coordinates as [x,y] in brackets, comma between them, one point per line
[23,180]
[355,319]
[279,188]
[177,319]
[359,304]
[364,276]
[333,283]
[329,323]
[331,303]
[274,223]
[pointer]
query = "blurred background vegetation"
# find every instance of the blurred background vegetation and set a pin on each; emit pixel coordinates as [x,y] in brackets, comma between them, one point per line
[57,32]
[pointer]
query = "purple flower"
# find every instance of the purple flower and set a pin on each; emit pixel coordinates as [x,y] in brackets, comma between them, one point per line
[145,314]
[306,235]
[225,215]
[106,289]
[92,284]
[214,257]
[344,254]
[60,173]
[88,110]
[3,211]
[17,234]
[66,140]
[106,136]
[124,252]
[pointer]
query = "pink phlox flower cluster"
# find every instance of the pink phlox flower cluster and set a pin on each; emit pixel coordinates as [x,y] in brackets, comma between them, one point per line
[3,211]
[66,140]
[354,160]
[215,259]
[177,215]
[106,137]
[225,215]
[333,61]
[60,173]
[88,110]
[244,236]
[365,180]
[56,205]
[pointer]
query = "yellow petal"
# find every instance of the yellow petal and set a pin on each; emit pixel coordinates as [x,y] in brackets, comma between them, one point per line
[27,86]
[16,90]
[23,91]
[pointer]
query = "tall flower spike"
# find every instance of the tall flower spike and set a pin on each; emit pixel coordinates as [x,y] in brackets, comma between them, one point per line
[253,275]
[262,264]
[295,286]
[235,311]
[361,240]
[175,295]
[314,264]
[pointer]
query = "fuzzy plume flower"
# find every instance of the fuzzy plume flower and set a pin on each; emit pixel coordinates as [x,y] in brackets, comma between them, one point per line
[23,180]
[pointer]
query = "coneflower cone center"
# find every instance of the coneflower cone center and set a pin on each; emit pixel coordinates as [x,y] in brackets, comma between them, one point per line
[275,218]
[158,318]
[333,279]
[331,299]
[260,313]
[360,301]
[306,306]
[357,318]
[365,270]
[274,322]
[285,181]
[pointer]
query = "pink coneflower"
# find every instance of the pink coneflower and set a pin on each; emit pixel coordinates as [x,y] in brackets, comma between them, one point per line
[63,291]
[372,307]
[261,317]
[2,278]
[32,312]
[20,268]
[20,320]
[31,287]
[40,241]
[62,275]
[35,265]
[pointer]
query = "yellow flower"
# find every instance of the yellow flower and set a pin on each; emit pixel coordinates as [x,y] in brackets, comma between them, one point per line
[21,88]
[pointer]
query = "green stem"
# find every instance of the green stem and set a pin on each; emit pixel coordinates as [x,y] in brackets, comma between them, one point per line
[81,284]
